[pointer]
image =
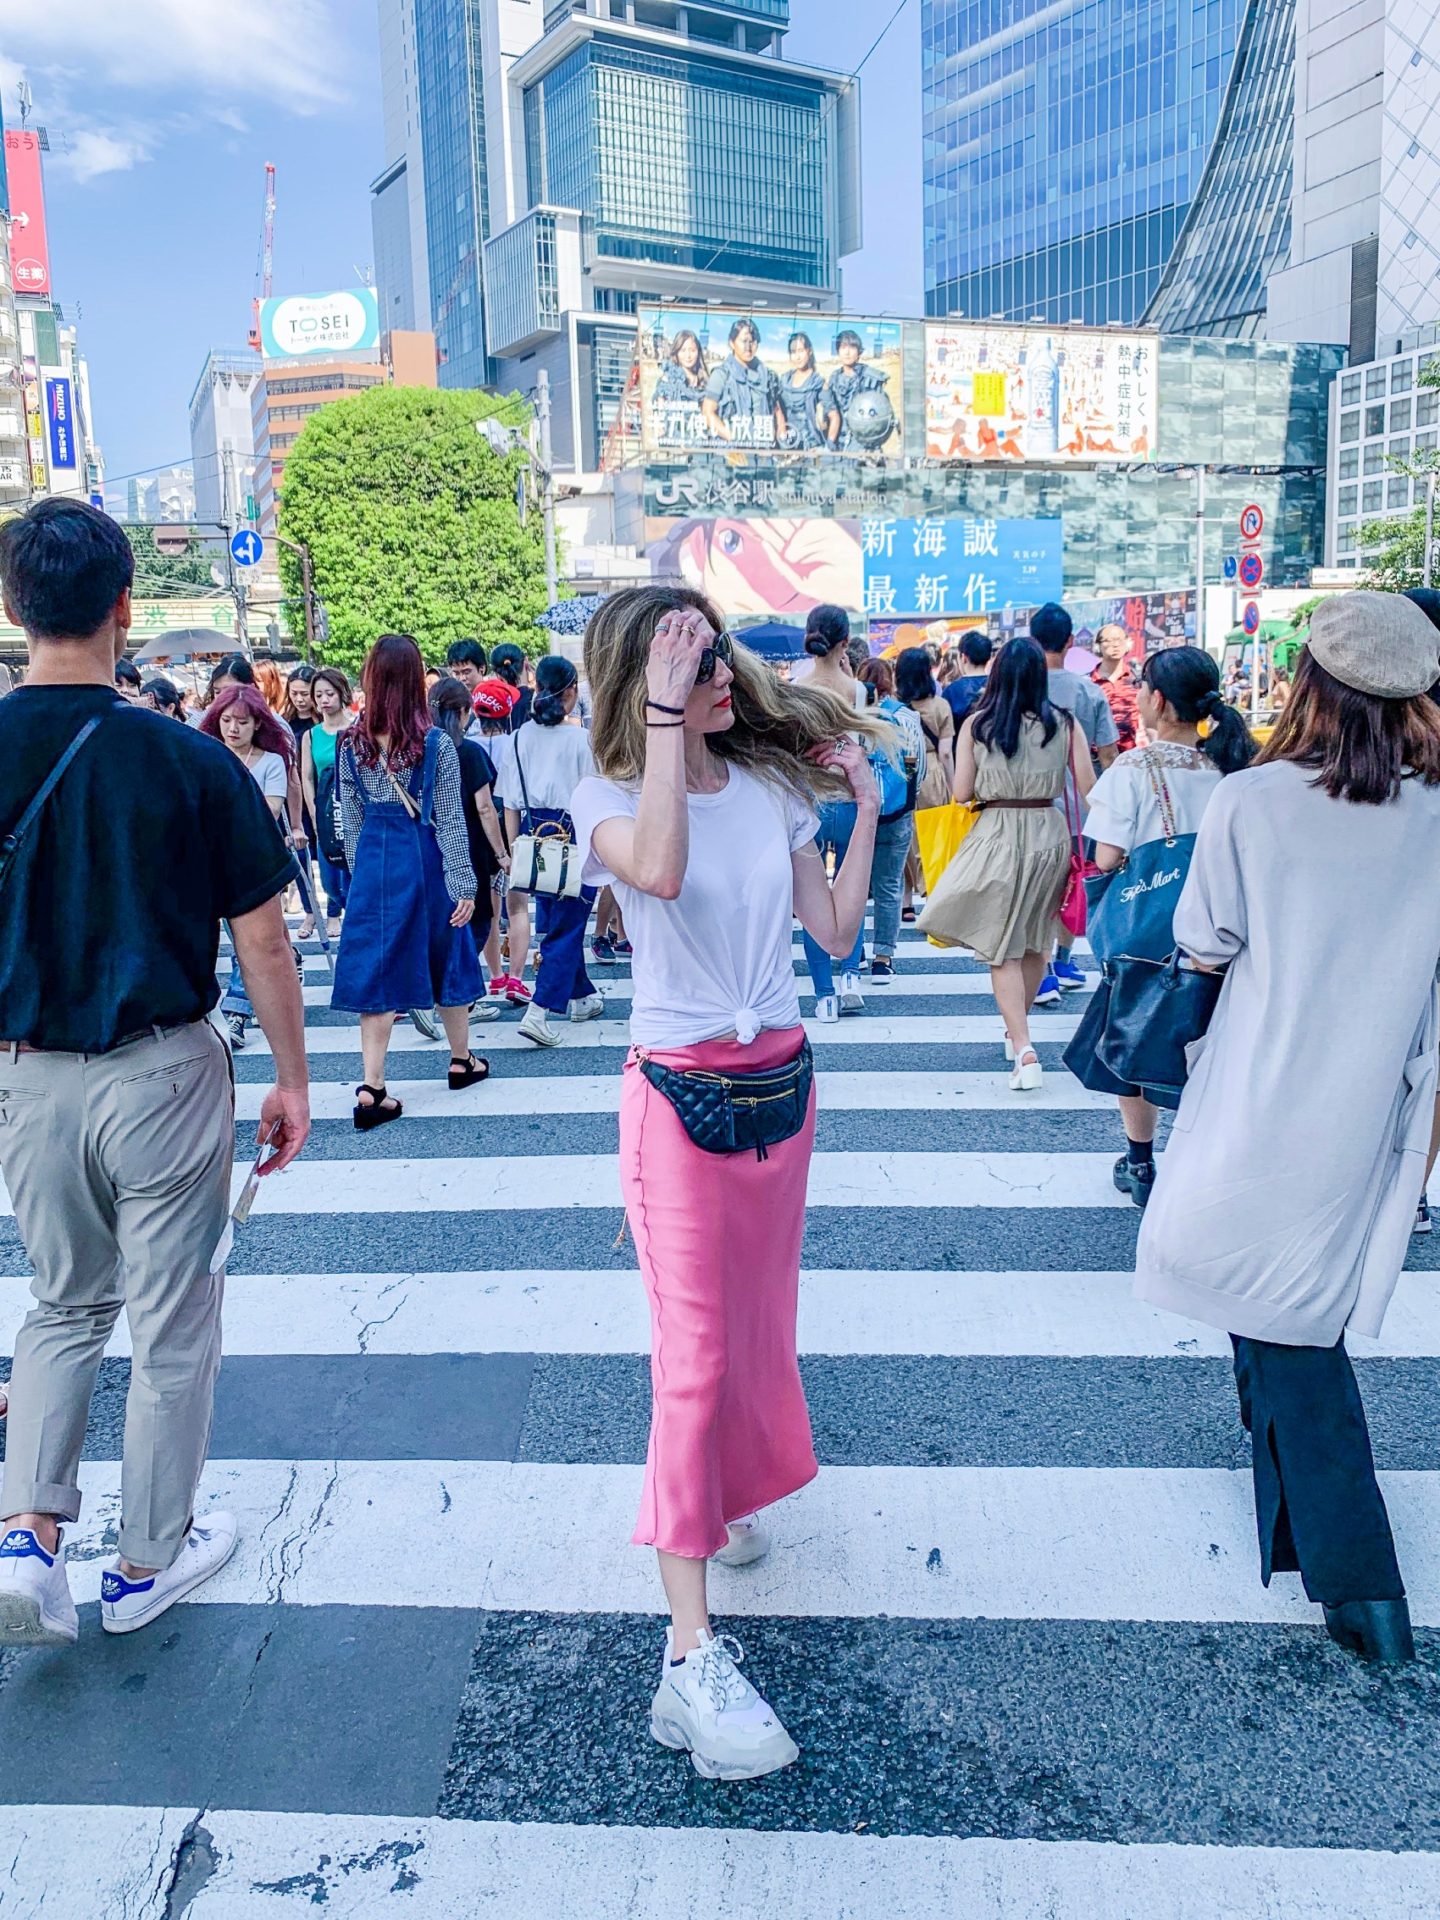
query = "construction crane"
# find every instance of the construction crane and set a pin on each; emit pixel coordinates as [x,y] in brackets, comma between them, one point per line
[267,256]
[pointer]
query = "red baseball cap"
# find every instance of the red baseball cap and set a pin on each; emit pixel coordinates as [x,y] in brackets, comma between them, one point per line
[494,699]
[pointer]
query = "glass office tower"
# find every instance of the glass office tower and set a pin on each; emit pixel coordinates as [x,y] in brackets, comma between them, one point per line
[1064,144]
[448,56]
[682,160]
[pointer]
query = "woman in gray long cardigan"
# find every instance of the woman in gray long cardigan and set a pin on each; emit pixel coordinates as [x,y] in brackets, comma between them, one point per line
[1283,1209]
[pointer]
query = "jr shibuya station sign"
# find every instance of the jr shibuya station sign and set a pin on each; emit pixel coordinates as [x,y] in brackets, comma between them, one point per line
[333,324]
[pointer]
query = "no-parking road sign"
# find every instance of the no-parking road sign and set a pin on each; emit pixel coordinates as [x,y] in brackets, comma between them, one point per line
[1251,620]
[1252,570]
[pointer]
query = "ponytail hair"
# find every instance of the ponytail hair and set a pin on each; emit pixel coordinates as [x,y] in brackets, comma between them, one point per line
[826,628]
[508,662]
[554,677]
[1188,680]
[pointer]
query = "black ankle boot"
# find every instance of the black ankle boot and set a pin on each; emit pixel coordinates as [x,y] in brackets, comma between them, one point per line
[1377,1630]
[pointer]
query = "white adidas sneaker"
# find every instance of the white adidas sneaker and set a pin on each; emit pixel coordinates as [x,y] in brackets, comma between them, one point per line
[128,1604]
[852,1000]
[707,1708]
[36,1609]
[827,1009]
[748,1542]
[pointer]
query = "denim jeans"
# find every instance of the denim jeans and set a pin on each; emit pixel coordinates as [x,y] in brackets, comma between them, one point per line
[560,928]
[837,823]
[887,879]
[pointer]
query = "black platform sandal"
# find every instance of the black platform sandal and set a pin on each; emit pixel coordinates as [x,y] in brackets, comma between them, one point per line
[468,1072]
[383,1107]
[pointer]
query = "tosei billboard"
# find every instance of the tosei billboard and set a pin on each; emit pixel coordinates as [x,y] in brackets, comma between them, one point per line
[334,324]
[775,383]
[29,244]
[1028,393]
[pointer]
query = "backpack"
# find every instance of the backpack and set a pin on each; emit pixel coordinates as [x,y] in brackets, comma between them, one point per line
[898,787]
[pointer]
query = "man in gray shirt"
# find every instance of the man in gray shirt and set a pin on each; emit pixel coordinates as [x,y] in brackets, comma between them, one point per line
[1053,629]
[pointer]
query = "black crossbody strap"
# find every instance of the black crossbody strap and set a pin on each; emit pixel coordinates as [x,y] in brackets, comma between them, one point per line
[10,845]
[524,791]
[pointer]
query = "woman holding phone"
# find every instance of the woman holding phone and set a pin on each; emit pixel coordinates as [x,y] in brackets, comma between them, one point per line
[702,817]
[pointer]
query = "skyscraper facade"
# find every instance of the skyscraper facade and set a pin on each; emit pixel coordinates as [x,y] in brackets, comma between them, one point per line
[397,197]
[583,157]
[1064,147]
[222,437]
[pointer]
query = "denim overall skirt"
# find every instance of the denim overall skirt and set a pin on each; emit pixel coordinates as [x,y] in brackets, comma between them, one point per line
[397,947]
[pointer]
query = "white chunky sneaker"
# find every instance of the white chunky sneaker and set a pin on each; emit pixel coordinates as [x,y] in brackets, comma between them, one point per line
[128,1604]
[748,1542]
[592,1007]
[827,1009]
[851,998]
[36,1609]
[536,1026]
[707,1708]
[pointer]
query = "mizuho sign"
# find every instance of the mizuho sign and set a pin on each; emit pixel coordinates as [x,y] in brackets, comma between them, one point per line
[328,323]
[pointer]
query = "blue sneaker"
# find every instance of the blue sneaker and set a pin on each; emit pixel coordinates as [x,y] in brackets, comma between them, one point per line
[1049,994]
[1069,976]
[602,948]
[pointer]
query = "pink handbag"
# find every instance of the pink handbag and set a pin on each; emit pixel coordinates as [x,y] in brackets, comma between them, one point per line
[1073,904]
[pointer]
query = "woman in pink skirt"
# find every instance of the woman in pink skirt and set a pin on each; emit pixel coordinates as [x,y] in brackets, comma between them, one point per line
[702,819]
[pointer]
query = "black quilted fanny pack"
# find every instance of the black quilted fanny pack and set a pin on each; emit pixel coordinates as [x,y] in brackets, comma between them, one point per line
[737,1112]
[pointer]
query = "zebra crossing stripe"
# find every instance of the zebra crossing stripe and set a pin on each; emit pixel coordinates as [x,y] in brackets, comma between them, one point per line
[348,1865]
[942,1543]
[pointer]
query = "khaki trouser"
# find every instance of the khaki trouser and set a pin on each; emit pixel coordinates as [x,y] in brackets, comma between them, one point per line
[118,1166]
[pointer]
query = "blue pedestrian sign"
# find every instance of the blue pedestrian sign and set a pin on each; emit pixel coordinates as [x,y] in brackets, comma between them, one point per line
[247,549]
[1232,566]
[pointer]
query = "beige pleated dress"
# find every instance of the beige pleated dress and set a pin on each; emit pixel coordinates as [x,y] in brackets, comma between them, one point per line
[1001,893]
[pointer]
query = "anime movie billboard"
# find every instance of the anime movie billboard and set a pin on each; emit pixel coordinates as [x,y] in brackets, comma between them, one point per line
[808,384]
[1030,393]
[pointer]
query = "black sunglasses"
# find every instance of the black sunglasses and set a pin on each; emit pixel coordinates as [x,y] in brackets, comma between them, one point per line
[723,649]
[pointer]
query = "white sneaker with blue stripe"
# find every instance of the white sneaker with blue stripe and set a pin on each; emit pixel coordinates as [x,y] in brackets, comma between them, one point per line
[36,1609]
[128,1604]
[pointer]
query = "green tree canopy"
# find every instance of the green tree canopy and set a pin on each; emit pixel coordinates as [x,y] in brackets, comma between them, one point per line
[412,522]
[158,576]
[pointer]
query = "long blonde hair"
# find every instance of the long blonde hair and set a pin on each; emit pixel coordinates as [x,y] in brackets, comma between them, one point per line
[776,722]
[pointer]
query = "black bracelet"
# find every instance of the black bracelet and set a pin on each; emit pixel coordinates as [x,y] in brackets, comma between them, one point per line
[665,725]
[659,708]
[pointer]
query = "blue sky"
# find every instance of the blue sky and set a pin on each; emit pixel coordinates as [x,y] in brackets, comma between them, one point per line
[162,114]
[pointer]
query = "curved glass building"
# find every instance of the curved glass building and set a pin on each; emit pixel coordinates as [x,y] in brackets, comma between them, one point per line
[1237,231]
[1082,155]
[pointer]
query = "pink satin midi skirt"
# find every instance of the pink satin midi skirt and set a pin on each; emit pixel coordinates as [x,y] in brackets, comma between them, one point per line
[718,1238]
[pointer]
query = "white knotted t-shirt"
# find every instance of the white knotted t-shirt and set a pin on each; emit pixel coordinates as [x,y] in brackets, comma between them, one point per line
[718,959]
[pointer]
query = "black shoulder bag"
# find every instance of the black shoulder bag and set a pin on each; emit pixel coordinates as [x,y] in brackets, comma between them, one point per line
[10,846]
[735,1112]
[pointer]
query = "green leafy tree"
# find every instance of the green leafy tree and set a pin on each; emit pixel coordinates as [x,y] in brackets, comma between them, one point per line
[413,523]
[158,576]
[1392,550]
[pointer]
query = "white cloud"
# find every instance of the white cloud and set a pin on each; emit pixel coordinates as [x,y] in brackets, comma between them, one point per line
[88,152]
[291,52]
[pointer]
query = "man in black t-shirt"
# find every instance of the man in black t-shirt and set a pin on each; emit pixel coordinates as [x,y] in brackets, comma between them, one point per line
[117,1116]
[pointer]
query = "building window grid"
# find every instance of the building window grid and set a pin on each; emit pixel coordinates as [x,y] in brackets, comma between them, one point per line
[1141,87]
[646,146]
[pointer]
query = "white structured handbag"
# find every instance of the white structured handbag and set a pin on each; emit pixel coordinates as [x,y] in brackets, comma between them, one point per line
[547,861]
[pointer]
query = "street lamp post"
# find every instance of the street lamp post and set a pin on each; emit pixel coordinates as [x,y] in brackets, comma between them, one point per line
[307,589]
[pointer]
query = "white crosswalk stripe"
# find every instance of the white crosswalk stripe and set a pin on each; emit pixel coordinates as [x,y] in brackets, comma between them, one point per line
[1028,1566]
